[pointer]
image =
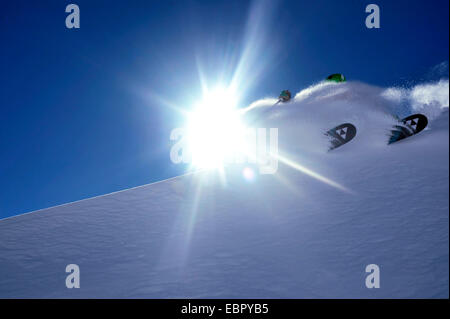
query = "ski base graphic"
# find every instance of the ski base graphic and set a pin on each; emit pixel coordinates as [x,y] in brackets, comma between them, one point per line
[407,127]
[340,135]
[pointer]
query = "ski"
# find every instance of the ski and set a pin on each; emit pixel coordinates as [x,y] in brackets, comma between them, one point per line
[407,127]
[340,135]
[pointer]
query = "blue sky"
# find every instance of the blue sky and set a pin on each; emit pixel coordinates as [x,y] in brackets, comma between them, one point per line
[86,112]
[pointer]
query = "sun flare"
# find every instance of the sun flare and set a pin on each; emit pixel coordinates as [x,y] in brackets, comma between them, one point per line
[215,130]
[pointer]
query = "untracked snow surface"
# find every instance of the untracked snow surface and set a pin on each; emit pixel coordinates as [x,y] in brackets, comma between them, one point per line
[293,234]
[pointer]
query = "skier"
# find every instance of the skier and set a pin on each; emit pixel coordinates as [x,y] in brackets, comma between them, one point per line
[285,96]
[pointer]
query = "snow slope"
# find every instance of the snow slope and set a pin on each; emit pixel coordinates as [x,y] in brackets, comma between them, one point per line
[287,235]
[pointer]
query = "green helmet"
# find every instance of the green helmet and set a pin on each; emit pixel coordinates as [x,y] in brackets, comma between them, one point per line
[337,77]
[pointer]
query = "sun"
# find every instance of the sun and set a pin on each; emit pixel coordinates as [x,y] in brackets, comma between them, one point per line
[215,132]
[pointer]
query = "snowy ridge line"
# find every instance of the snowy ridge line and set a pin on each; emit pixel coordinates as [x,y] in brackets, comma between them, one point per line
[431,97]
[323,105]
[99,196]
